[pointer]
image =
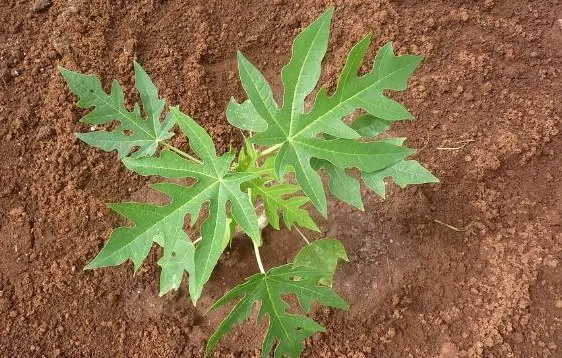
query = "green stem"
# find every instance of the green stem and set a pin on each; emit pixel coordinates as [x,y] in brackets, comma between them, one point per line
[302,235]
[258,258]
[180,152]
[269,150]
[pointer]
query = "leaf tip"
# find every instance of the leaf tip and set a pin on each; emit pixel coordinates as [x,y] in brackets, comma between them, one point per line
[66,73]
[328,13]
[90,265]
[62,70]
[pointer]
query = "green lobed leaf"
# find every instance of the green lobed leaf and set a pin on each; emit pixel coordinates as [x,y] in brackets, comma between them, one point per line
[296,131]
[346,187]
[322,255]
[277,197]
[403,173]
[261,97]
[245,116]
[370,126]
[178,258]
[342,185]
[286,330]
[134,136]
[215,185]
[275,201]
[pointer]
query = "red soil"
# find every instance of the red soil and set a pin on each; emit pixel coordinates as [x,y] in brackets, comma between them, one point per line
[490,86]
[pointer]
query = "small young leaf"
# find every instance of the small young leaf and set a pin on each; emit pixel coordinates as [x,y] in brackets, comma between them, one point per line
[286,329]
[277,197]
[145,134]
[274,202]
[247,158]
[322,255]
[403,173]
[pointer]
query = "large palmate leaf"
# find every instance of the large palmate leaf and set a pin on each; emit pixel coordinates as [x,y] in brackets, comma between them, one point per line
[297,132]
[215,185]
[286,329]
[135,134]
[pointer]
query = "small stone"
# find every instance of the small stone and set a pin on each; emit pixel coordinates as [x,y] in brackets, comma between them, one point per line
[17,211]
[76,158]
[44,132]
[551,261]
[533,54]
[558,304]
[449,350]
[4,305]
[41,5]
[15,72]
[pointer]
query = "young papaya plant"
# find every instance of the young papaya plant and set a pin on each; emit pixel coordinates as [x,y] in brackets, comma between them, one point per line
[242,191]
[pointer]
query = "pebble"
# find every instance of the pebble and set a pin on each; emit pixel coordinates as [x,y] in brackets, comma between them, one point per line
[44,132]
[551,261]
[4,305]
[41,5]
[17,211]
[15,72]
[449,350]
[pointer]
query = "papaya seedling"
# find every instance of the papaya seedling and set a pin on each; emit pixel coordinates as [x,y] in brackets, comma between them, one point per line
[241,191]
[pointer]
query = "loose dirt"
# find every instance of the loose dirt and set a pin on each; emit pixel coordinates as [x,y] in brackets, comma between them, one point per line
[488,107]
